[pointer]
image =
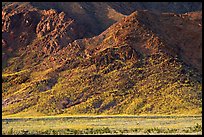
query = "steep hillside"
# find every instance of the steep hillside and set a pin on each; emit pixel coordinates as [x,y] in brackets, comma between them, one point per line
[146,63]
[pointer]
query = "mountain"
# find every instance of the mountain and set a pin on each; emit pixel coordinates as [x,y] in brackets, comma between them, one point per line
[148,62]
[98,16]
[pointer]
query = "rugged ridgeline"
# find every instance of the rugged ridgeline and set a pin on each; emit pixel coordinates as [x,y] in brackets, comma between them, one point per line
[98,16]
[146,63]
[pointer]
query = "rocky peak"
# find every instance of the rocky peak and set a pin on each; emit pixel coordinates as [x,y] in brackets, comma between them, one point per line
[24,26]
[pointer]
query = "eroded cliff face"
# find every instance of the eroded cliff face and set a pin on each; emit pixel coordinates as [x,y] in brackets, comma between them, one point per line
[146,63]
[24,25]
[18,28]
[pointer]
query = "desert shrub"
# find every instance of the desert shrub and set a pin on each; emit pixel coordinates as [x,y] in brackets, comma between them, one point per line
[10,132]
[196,128]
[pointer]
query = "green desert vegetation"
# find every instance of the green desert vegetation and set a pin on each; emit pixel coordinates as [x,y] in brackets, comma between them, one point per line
[159,87]
[103,125]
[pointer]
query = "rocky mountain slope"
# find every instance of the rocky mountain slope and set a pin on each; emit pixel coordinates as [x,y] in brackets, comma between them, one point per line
[146,63]
[98,16]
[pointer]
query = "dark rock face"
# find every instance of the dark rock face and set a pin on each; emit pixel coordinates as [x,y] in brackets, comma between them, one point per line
[27,25]
[109,55]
